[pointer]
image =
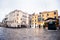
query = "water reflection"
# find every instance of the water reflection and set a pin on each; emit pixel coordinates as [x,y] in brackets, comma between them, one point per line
[27,34]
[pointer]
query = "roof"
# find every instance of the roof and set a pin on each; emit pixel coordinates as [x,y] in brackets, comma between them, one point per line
[49,11]
[17,11]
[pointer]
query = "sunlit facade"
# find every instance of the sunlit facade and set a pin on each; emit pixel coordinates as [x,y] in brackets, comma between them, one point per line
[39,19]
[50,14]
[17,18]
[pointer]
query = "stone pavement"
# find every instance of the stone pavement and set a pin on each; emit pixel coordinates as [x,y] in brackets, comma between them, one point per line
[28,34]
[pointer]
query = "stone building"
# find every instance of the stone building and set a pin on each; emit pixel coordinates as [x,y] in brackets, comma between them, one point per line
[17,18]
[39,19]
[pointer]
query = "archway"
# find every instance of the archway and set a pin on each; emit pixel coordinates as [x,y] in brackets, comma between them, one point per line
[23,26]
[51,24]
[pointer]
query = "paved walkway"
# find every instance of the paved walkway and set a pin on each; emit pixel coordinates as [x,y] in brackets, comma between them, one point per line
[28,34]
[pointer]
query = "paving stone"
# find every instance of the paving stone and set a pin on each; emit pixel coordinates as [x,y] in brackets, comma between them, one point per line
[28,34]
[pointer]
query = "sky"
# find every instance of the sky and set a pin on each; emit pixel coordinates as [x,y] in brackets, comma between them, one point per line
[28,6]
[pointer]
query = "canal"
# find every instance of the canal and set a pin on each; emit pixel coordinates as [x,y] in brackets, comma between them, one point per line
[28,34]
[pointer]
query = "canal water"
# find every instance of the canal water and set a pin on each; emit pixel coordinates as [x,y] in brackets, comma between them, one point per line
[28,34]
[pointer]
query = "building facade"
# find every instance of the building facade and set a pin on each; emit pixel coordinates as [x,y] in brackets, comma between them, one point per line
[17,18]
[59,20]
[39,19]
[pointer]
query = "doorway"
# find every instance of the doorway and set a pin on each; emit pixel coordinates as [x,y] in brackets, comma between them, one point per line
[39,26]
[51,26]
[23,26]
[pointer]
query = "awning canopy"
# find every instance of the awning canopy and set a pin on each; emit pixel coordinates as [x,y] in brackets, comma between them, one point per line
[50,18]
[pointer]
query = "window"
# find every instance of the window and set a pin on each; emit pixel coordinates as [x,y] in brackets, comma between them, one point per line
[17,14]
[55,17]
[6,18]
[40,13]
[21,18]
[24,16]
[17,21]
[47,14]
[54,12]
[39,19]
[43,19]
[39,16]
